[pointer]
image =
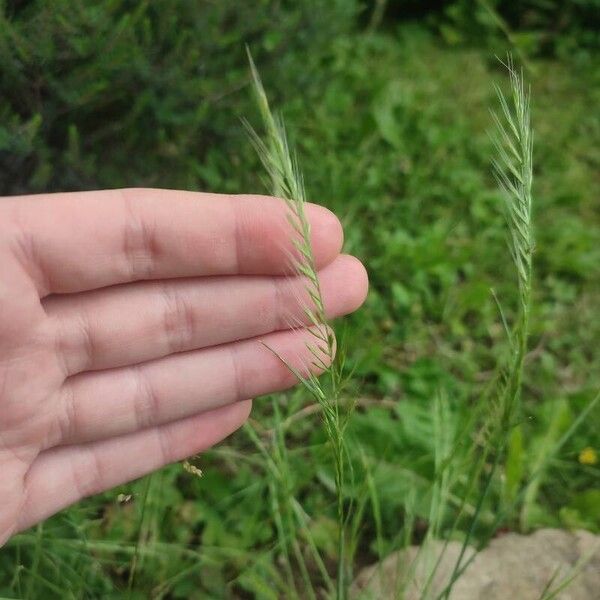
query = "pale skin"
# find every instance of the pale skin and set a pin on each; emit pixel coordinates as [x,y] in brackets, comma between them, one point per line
[133,326]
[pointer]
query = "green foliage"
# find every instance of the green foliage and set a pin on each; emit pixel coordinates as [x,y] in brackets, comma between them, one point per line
[391,130]
[108,93]
[531,27]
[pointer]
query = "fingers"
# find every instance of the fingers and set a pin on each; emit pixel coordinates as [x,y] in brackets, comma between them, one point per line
[102,404]
[82,241]
[137,322]
[61,476]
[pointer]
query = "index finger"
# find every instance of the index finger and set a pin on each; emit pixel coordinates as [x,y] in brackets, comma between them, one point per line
[72,242]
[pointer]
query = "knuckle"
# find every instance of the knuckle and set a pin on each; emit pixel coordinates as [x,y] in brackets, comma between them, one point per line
[281,318]
[238,374]
[140,243]
[74,343]
[67,419]
[146,405]
[88,473]
[166,444]
[178,319]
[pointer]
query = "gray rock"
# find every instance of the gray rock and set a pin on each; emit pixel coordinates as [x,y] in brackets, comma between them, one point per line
[513,567]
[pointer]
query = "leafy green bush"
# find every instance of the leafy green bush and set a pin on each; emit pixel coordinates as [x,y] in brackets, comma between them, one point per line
[107,94]
[116,93]
[551,27]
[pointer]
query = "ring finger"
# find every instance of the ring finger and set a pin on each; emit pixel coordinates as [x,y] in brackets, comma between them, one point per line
[103,404]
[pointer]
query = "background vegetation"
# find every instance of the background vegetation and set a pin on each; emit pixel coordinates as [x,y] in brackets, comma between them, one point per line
[387,104]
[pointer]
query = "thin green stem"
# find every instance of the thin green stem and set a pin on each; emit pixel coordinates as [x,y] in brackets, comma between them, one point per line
[287,183]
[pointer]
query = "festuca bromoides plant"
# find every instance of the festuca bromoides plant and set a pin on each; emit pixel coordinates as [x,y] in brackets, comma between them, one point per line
[286,182]
[512,165]
[513,168]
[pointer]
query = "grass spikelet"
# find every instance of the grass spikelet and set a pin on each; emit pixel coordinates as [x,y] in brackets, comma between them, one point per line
[513,169]
[286,182]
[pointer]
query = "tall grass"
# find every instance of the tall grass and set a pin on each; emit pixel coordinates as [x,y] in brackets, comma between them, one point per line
[513,170]
[465,473]
[286,182]
[499,425]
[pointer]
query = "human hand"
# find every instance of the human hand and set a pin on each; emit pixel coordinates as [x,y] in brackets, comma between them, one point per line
[132,325]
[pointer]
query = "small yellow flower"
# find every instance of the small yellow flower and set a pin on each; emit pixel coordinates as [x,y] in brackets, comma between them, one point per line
[588,456]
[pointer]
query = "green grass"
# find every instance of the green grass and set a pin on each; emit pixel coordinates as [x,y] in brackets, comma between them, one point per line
[395,141]
[281,164]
